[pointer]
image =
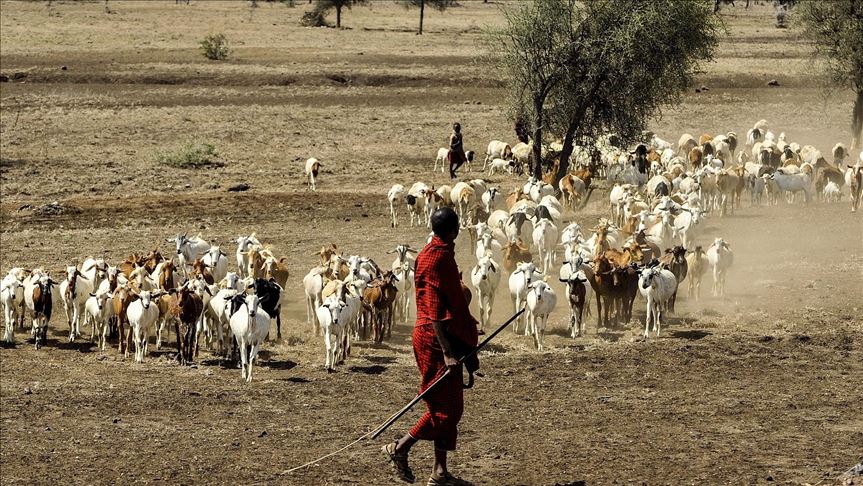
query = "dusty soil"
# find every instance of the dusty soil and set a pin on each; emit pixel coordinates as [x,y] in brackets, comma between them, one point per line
[760,386]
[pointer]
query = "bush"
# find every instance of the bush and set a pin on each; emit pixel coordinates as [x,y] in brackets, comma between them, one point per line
[192,155]
[314,18]
[215,47]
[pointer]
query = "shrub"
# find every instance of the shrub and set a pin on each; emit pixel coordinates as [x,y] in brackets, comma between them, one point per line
[314,18]
[215,47]
[192,155]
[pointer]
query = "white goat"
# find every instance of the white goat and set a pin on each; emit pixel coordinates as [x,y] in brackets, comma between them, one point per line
[217,260]
[12,299]
[142,315]
[244,244]
[519,281]
[485,278]
[74,291]
[720,257]
[541,300]
[395,194]
[657,286]
[313,166]
[250,325]
[313,286]
[334,317]
[188,250]
[545,238]
[831,192]
[98,310]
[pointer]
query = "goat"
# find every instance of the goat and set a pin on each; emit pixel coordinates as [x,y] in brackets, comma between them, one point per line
[395,194]
[313,166]
[519,281]
[217,261]
[12,300]
[657,285]
[497,150]
[578,292]
[334,317]
[250,326]
[674,260]
[720,257]
[188,250]
[98,310]
[545,239]
[244,244]
[854,181]
[142,316]
[485,278]
[74,292]
[378,300]
[696,264]
[541,300]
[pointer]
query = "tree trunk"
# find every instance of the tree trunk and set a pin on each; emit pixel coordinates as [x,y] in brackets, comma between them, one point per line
[537,139]
[857,122]
[565,153]
[338,16]
[422,14]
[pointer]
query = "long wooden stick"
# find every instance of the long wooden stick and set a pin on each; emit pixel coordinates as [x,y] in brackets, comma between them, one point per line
[384,426]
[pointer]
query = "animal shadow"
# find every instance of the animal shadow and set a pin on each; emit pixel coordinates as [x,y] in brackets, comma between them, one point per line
[381,359]
[80,346]
[692,334]
[279,365]
[610,336]
[5,345]
[369,370]
[573,483]
[297,379]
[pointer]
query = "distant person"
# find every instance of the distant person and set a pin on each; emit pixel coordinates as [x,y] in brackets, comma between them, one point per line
[444,331]
[456,154]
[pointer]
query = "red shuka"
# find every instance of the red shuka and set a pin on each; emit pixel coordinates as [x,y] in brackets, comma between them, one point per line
[439,297]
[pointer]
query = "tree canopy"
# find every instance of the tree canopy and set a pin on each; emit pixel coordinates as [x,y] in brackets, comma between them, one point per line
[581,69]
[836,30]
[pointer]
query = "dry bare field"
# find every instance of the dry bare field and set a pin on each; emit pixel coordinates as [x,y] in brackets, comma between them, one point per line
[762,386]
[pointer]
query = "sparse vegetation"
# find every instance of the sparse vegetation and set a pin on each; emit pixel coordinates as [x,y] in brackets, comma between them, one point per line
[314,18]
[191,155]
[215,47]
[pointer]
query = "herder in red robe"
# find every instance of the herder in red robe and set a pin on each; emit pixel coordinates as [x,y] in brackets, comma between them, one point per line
[444,331]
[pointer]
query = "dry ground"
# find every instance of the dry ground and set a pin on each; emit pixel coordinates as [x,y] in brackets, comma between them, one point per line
[763,385]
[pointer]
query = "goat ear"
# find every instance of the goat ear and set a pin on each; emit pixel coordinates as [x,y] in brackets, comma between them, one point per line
[92,294]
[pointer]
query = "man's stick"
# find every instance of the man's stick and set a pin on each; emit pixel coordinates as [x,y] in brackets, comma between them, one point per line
[380,430]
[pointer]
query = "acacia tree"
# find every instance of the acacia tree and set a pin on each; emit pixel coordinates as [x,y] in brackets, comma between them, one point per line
[325,5]
[438,4]
[581,69]
[836,30]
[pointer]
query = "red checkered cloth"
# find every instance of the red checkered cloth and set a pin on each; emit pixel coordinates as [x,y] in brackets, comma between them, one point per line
[439,297]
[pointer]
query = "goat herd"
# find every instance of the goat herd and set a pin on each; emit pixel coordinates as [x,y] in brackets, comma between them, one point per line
[647,245]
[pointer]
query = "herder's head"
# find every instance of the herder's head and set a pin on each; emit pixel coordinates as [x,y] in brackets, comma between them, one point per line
[444,223]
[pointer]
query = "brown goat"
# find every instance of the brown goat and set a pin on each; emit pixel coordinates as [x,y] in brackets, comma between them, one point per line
[514,253]
[674,260]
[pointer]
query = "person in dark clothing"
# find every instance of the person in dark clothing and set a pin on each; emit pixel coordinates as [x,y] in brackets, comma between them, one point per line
[456,154]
